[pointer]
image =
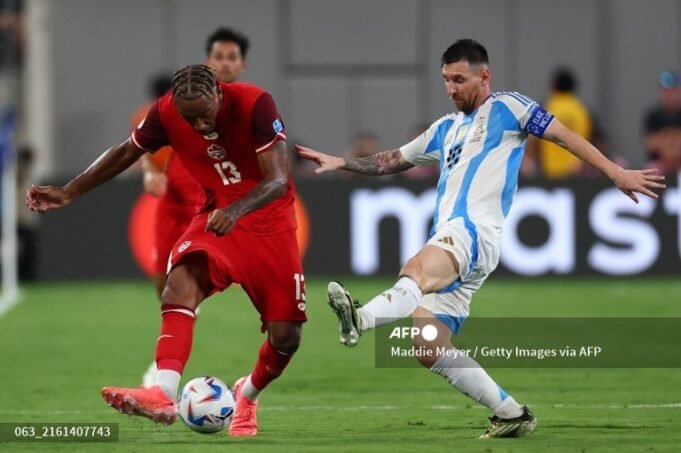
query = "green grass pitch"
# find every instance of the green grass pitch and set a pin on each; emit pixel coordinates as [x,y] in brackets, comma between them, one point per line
[63,342]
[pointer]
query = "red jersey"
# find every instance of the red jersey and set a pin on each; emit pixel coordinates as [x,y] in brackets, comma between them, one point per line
[225,163]
[182,188]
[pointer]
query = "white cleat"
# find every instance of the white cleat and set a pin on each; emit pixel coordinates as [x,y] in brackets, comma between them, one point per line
[346,310]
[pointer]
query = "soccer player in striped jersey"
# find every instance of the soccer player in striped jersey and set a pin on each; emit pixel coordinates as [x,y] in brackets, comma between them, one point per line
[479,151]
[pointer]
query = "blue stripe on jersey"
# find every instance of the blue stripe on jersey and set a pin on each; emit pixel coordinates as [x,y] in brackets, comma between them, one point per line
[453,286]
[453,322]
[520,98]
[500,120]
[528,100]
[511,183]
[524,100]
[441,186]
[437,142]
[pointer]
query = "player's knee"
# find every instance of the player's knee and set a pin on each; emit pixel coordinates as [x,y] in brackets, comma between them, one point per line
[160,284]
[285,339]
[414,270]
[285,345]
[187,284]
[179,290]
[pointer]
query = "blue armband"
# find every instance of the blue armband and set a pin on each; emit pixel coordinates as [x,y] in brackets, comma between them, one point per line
[539,121]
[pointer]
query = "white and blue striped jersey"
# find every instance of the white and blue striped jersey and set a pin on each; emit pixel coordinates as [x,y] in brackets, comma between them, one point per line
[479,156]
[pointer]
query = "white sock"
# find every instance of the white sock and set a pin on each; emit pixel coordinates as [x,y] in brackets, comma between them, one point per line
[466,375]
[169,381]
[396,303]
[149,378]
[249,390]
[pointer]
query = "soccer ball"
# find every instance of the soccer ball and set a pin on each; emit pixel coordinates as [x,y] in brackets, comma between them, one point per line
[206,405]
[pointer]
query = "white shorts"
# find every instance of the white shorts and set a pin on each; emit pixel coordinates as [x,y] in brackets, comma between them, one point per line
[477,259]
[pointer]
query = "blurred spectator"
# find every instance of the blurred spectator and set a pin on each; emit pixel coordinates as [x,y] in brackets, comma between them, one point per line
[662,126]
[11,33]
[549,159]
[158,85]
[427,172]
[27,221]
[364,144]
[226,51]
[11,50]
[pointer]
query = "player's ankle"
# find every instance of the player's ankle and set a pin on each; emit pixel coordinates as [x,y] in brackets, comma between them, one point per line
[366,321]
[169,381]
[508,409]
[249,391]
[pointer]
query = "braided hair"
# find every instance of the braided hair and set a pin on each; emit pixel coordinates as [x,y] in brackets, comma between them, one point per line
[193,81]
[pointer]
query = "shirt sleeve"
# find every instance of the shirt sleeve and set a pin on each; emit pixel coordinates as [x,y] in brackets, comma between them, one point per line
[266,123]
[425,149]
[150,135]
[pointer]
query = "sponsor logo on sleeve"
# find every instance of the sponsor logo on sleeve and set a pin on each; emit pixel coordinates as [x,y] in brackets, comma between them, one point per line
[184,246]
[278,126]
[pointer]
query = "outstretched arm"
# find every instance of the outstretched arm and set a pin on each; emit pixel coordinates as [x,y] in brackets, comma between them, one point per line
[383,163]
[108,165]
[628,181]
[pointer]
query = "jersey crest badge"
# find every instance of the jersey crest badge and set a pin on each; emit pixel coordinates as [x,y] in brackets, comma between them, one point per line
[449,140]
[217,152]
[478,130]
[461,132]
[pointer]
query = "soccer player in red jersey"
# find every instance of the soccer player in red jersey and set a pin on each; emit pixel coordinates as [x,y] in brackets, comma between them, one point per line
[180,194]
[230,137]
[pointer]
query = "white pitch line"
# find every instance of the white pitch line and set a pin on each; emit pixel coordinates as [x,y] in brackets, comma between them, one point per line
[383,408]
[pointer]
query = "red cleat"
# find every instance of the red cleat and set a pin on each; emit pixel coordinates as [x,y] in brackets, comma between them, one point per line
[245,420]
[150,402]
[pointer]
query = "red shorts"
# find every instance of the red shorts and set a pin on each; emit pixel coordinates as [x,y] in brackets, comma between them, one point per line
[172,220]
[268,267]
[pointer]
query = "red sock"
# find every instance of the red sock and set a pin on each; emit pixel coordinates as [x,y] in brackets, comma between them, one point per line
[175,342]
[269,366]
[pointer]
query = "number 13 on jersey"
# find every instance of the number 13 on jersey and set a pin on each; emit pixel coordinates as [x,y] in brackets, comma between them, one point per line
[300,286]
[232,176]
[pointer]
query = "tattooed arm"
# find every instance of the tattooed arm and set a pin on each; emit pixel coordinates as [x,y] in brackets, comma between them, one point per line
[383,163]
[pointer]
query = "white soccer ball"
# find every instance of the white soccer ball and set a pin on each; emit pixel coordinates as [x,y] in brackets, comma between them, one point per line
[206,405]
